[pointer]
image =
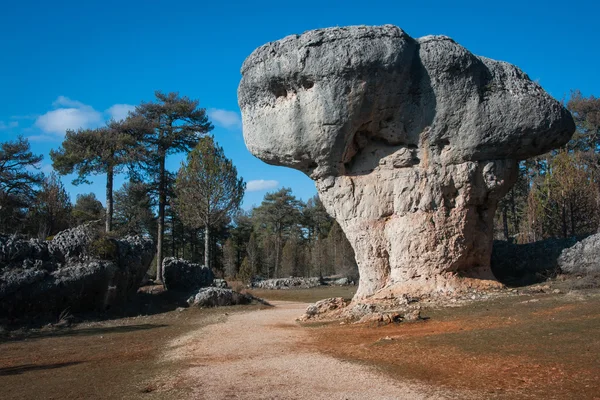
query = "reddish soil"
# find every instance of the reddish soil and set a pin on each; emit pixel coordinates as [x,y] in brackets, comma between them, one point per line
[548,348]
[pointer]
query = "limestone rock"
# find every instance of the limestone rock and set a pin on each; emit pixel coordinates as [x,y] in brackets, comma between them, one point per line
[38,277]
[583,258]
[215,297]
[411,143]
[183,275]
[220,283]
[329,308]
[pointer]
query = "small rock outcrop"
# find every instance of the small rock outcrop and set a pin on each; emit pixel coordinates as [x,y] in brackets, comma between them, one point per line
[583,258]
[217,297]
[182,275]
[287,283]
[411,143]
[78,270]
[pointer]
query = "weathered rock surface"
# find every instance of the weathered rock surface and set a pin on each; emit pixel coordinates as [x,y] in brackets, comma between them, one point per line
[182,275]
[39,277]
[220,283]
[287,283]
[411,143]
[583,258]
[331,308]
[215,297]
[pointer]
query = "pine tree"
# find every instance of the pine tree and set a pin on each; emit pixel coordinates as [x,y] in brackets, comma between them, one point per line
[19,180]
[133,210]
[208,190]
[105,150]
[177,126]
[51,212]
[87,208]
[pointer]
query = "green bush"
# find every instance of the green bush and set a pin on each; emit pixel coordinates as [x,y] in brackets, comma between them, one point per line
[105,248]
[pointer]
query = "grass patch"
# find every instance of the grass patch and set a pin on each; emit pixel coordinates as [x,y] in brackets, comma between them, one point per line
[311,295]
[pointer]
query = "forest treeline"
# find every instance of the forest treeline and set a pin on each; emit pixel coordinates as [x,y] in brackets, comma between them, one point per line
[194,213]
[557,195]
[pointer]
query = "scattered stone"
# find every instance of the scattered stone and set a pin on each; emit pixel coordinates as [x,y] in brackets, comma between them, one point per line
[215,297]
[413,315]
[324,308]
[381,318]
[287,283]
[411,143]
[556,291]
[182,275]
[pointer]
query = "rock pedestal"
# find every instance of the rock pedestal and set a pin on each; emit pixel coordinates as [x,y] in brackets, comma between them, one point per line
[411,143]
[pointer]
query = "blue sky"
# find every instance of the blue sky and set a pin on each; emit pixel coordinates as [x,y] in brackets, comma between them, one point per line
[72,63]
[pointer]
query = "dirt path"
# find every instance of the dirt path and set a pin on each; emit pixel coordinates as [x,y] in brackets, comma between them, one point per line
[264,355]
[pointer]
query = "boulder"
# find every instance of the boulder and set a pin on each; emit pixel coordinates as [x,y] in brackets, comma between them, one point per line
[411,143]
[287,283]
[182,275]
[41,277]
[220,283]
[583,258]
[215,297]
[327,308]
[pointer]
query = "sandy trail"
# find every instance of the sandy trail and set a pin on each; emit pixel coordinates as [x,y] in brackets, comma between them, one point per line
[260,355]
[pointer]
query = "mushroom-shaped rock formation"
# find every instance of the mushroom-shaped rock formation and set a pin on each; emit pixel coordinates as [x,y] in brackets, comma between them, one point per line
[411,143]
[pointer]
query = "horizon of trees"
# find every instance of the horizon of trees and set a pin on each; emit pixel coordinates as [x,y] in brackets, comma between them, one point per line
[557,195]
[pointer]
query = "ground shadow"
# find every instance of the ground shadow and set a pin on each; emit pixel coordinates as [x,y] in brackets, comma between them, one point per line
[517,265]
[76,332]
[21,369]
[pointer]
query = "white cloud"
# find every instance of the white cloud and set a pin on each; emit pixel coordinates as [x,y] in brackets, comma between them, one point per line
[71,114]
[63,101]
[119,112]
[261,184]
[225,118]
[42,138]
[10,125]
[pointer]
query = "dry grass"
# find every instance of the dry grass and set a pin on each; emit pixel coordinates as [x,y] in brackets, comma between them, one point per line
[305,295]
[548,348]
[100,360]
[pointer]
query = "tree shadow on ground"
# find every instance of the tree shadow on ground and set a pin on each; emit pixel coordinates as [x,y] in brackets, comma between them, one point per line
[76,332]
[21,369]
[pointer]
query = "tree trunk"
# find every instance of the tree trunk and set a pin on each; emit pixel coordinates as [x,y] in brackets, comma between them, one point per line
[109,198]
[162,199]
[207,246]
[505,223]
[174,251]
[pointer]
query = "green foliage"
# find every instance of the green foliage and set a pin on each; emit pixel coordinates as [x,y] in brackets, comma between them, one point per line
[105,150]
[51,209]
[87,208]
[564,202]
[104,248]
[177,124]
[19,180]
[133,210]
[207,188]
[245,273]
